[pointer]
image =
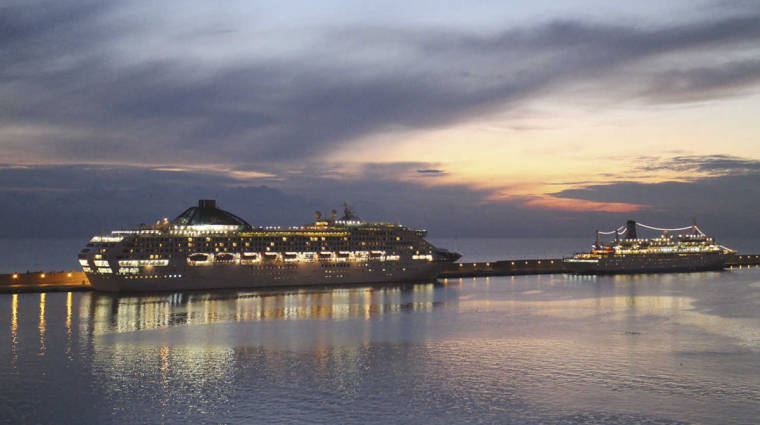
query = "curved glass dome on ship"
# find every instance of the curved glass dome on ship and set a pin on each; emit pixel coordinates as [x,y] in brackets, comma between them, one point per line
[206,248]
[207,213]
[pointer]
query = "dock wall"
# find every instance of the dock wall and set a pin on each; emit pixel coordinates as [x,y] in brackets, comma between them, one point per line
[44,281]
[505,268]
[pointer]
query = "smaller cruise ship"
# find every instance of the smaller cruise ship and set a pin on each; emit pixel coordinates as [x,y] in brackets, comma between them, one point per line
[669,252]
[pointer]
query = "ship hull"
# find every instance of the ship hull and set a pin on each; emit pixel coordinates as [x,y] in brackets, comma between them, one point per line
[237,276]
[668,263]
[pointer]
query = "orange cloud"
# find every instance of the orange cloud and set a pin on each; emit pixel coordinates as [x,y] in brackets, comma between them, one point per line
[566,204]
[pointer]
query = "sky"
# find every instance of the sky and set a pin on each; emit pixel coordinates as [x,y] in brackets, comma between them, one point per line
[467,118]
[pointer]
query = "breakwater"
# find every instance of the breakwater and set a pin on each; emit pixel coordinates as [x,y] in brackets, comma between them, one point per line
[506,268]
[547,266]
[77,281]
[44,281]
[744,260]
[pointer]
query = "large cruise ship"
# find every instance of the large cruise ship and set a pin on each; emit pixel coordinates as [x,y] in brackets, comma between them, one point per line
[670,252]
[209,248]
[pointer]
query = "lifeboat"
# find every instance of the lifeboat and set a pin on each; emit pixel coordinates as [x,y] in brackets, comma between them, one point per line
[270,256]
[376,254]
[198,257]
[224,257]
[290,256]
[325,255]
[250,257]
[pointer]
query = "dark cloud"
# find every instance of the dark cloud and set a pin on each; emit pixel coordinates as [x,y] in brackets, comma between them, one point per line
[726,201]
[711,164]
[59,77]
[431,172]
[704,83]
[79,201]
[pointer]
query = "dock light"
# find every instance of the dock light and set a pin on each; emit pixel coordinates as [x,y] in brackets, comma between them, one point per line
[42,275]
[15,275]
[68,275]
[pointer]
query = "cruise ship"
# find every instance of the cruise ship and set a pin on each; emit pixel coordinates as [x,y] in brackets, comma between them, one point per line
[669,252]
[206,247]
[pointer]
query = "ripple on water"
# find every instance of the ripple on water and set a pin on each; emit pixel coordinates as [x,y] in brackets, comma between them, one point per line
[523,350]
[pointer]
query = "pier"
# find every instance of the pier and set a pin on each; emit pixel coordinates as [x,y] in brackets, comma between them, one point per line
[506,268]
[77,281]
[744,260]
[44,281]
[547,266]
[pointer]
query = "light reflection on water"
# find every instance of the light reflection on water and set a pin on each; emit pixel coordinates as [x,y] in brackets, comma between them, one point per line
[42,323]
[524,349]
[124,313]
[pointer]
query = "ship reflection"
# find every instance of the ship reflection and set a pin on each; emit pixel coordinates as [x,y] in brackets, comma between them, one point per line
[126,313]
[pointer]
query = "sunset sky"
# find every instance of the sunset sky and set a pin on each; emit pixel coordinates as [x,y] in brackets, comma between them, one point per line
[491,118]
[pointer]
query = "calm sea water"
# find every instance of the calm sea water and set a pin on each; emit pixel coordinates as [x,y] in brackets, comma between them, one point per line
[647,349]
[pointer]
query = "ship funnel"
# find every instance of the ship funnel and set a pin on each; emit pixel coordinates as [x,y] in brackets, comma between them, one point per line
[207,203]
[630,230]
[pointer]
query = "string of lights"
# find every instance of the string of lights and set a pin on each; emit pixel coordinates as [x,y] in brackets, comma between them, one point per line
[662,229]
[620,230]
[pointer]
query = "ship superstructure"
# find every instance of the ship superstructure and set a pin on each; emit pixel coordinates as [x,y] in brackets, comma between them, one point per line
[207,248]
[670,252]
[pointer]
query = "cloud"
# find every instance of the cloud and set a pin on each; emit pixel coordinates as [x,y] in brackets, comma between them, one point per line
[710,164]
[432,172]
[726,198]
[703,83]
[579,205]
[65,74]
[81,200]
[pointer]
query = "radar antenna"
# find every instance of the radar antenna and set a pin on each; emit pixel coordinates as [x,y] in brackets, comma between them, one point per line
[348,214]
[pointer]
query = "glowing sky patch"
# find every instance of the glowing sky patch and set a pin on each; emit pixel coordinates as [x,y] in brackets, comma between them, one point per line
[580,205]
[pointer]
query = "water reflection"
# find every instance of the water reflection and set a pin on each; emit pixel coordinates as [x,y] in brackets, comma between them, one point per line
[14,327]
[42,323]
[68,326]
[497,350]
[68,313]
[126,313]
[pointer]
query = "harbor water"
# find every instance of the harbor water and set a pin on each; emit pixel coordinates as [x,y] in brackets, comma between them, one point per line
[552,349]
